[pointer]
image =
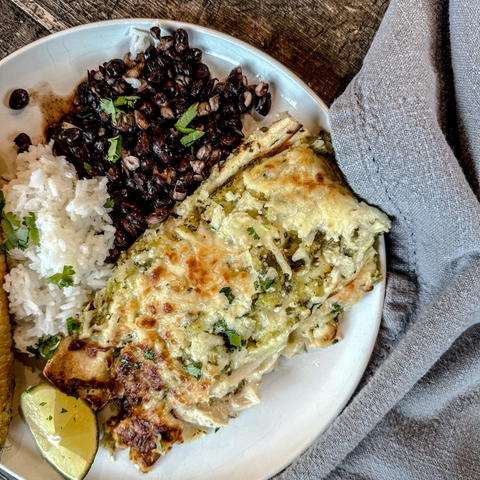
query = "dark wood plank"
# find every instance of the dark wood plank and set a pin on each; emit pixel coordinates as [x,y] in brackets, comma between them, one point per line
[324,43]
[17,28]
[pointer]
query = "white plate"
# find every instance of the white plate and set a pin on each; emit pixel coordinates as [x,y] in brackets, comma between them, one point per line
[304,395]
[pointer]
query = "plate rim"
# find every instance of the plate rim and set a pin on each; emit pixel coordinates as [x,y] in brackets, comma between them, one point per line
[140,22]
[129,21]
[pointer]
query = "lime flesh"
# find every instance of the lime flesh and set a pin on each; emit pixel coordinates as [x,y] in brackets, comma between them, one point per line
[64,427]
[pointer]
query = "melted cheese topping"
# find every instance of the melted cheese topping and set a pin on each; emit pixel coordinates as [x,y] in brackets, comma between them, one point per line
[254,266]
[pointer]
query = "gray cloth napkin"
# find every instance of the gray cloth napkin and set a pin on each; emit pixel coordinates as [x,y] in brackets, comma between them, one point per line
[407,136]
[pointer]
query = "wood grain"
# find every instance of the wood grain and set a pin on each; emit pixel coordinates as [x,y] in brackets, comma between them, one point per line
[324,43]
[17,28]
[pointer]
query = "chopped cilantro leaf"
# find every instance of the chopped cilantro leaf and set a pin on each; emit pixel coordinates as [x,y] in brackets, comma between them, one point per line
[16,236]
[335,341]
[251,231]
[227,291]
[125,100]
[43,404]
[64,410]
[159,442]
[109,203]
[336,309]
[45,347]
[29,388]
[87,166]
[185,130]
[136,366]
[264,227]
[50,418]
[72,326]
[87,115]
[107,106]
[217,429]
[267,283]
[256,285]
[29,222]
[64,279]
[150,356]
[233,338]
[115,148]
[191,138]
[236,340]
[194,369]
[187,117]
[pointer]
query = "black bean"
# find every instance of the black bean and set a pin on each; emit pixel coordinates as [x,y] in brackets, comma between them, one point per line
[214,103]
[23,141]
[169,88]
[142,148]
[235,76]
[86,96]
[181,40]
[148,109]
[155,77]
[122,238]
[167,112]
[193,55]
[178,193]
[261,89]
[202,72]
[161,150]
[166,43]
[147,164]
[18,99]
[159,216]
[115,68]
[160,99]
[150,52]
[180,91]
[155,32]
[164,201]
[228,141]
[264,104]
[198,165]
[196,89]
[114,173]
[203,154]
[129,228]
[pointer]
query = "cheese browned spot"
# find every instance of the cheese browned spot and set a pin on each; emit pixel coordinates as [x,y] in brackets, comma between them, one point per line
[258,262]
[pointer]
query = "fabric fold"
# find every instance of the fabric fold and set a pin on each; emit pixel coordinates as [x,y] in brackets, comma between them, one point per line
[400,148]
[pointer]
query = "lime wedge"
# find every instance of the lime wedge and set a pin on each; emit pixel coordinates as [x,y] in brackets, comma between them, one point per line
[64,427]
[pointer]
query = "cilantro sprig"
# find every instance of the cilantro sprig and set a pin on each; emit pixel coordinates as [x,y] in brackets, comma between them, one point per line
[231,336]
[115,148]
[72,326]
[45,347]
[109,203]
[267,283]
[64,279]
[17,233]
[125,362]
[251,231]
[110,107]
[182,123]
[227,291]
[150,356]
[194,369]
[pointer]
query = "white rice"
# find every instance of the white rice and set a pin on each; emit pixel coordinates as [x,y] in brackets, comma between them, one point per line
[74,229]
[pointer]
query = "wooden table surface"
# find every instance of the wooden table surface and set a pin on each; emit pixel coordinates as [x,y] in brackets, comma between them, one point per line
[322,41]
